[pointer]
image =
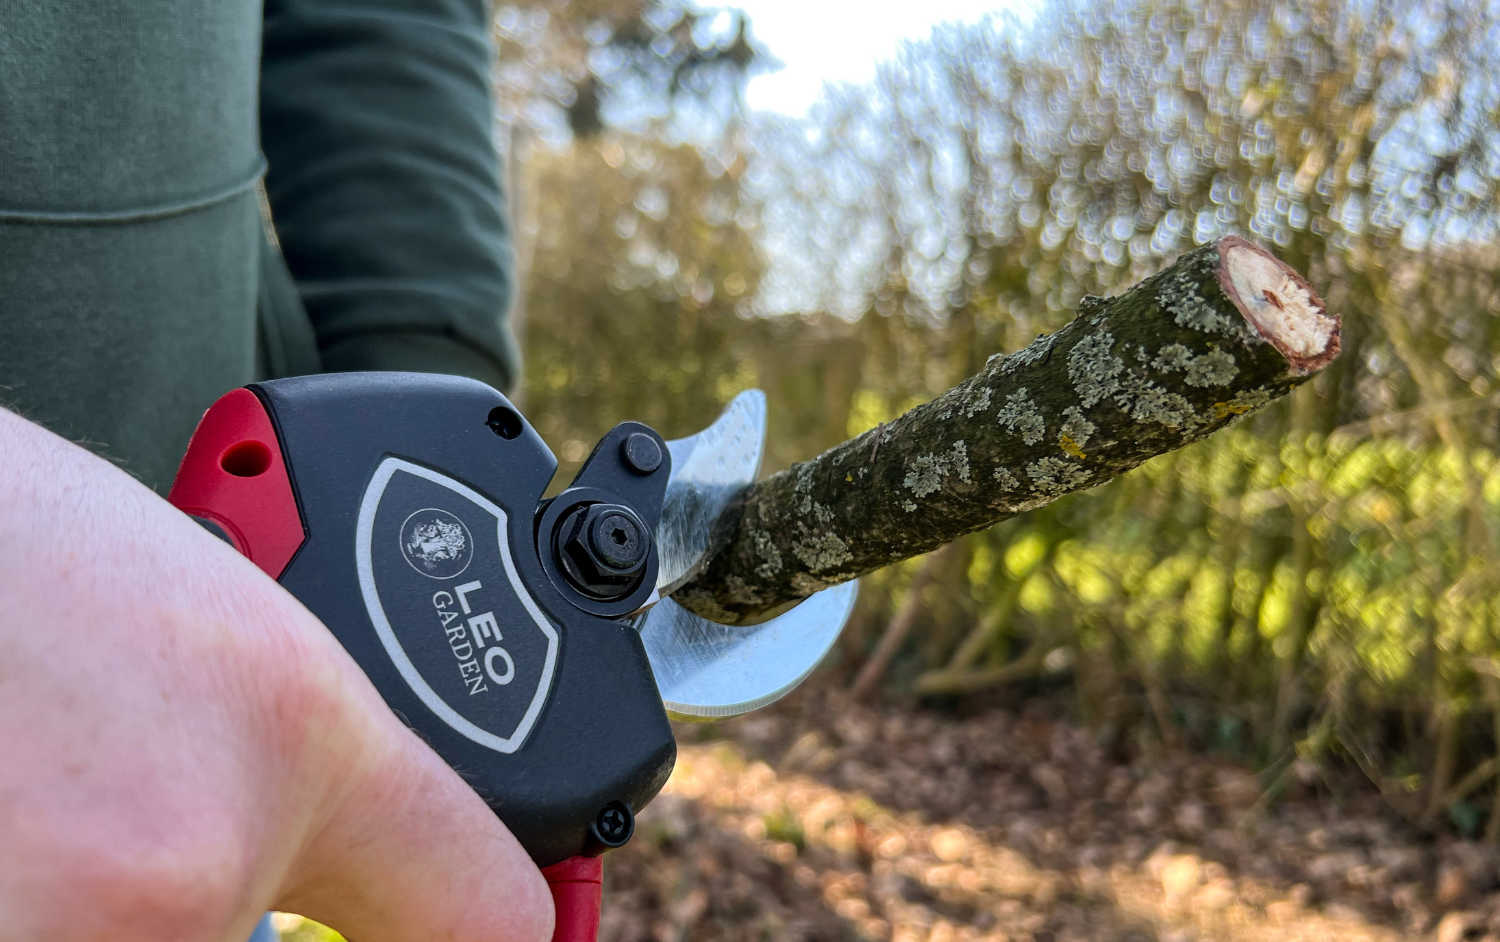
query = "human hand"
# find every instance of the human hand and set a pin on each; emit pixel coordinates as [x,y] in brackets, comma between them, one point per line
[183,745]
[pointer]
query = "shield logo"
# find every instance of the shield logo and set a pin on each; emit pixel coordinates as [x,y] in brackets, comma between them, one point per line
[448,605]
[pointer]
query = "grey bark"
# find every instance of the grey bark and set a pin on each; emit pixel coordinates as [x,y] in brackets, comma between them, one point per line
[1173,359]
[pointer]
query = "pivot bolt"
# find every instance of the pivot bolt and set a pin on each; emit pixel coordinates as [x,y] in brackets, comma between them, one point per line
[641,453]
[602,550]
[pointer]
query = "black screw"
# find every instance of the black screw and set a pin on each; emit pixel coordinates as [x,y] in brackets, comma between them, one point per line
[613,827]
[602,550]
[616,539]
[641,453]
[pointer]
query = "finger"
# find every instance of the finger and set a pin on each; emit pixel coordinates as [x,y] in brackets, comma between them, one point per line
[411,852]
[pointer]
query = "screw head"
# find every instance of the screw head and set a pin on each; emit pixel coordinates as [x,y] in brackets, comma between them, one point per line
[614,825]
[641,453]
[616,541]
[602,550]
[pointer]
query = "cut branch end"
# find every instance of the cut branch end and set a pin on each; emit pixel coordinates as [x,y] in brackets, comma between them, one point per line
[1280,304]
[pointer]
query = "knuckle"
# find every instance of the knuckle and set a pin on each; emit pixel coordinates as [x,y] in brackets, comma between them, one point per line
[297,688]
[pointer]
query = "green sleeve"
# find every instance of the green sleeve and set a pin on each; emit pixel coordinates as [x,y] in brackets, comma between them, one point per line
[384,182]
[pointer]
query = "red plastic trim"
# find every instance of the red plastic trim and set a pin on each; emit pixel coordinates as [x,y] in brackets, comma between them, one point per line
[577,886]
[255,505]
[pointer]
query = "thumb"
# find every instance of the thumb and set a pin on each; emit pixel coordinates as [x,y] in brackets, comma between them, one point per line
[409,851]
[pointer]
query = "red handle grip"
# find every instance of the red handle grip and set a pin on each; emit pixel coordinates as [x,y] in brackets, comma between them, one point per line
[235,476]
[577,886]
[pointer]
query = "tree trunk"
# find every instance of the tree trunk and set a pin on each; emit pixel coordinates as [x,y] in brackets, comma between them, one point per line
[1218,334]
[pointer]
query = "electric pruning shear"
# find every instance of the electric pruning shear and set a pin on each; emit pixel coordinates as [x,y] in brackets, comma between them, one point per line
[533,643]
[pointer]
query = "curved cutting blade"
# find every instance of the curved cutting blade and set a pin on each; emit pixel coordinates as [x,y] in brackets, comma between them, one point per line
[707,670]
[708,470]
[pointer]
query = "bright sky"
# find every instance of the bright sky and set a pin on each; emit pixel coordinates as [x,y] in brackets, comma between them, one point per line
[841,40]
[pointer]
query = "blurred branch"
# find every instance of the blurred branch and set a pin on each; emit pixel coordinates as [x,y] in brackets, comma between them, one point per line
[1401,801]
[968,681]
[1258,502]
[988,629]
[1218,334]
[1391,421]
[1477,776]
[899,628]
[656,59]
[1302,605]
[1492,697]
[957,676]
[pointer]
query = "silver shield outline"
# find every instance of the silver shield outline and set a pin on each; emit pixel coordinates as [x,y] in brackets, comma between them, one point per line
[363,559]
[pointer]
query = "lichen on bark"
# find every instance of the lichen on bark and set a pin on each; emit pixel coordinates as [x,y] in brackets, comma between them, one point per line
[1219,333]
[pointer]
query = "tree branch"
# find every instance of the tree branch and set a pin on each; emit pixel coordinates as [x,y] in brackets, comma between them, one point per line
[1218,334]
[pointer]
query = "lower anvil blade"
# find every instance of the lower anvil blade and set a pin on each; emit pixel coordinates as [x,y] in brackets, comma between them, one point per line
[707,670]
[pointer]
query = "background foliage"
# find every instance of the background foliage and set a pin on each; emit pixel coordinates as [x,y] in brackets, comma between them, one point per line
[1320,581]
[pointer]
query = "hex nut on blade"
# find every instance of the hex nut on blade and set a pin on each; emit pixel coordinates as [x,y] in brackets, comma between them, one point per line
[602,550]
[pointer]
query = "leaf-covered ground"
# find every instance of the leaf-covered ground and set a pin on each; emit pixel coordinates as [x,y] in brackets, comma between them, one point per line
[820,819]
